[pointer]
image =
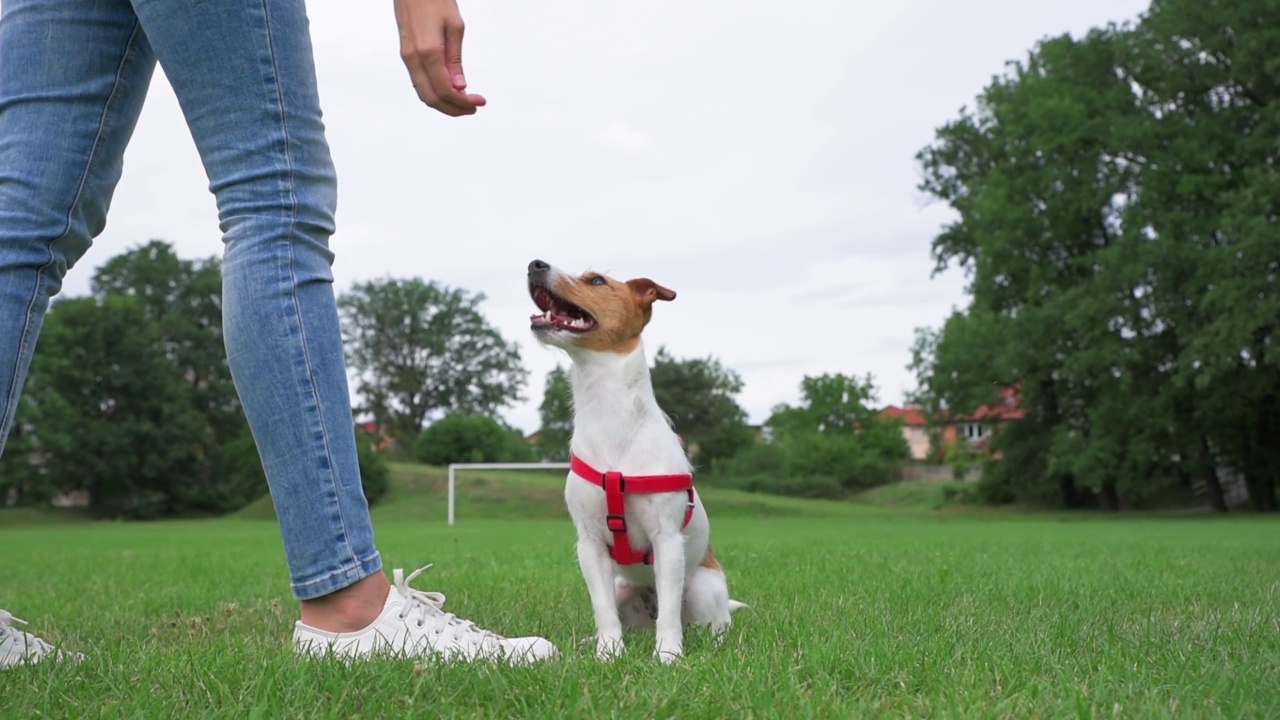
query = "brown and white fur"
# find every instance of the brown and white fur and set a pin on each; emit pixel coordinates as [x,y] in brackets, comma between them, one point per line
[617,425]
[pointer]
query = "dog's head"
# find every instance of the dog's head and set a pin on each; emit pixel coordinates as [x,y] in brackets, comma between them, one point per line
[591,311]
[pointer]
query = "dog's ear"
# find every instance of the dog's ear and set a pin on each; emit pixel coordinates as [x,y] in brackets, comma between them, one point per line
[648,291]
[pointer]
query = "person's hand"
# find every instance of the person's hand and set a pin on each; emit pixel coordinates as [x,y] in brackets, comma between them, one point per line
[431,47]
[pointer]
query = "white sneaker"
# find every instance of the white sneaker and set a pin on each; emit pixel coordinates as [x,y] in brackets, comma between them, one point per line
[18,647]
[413,623]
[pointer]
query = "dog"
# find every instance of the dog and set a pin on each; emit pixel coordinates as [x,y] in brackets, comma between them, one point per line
[643,534]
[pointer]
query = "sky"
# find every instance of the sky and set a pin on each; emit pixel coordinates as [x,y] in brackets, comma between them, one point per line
[757,158]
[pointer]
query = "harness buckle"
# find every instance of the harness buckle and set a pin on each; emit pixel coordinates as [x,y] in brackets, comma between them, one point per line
[615,523]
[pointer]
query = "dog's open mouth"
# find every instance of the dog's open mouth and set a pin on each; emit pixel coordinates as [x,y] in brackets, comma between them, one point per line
[558,313]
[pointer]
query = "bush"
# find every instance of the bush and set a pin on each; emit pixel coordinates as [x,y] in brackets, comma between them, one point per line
[806,464]
[463,438]
[759,459]
[375,473]
[843,457]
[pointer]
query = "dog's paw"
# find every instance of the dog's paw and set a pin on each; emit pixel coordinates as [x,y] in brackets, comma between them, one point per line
[609,648]
[666,657]
[668,650]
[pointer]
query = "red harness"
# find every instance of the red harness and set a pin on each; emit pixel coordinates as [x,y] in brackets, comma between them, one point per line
[616,488]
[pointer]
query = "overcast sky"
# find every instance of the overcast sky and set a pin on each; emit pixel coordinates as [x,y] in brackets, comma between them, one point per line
[758,158]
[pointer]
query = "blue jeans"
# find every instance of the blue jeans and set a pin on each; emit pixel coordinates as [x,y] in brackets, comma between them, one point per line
[73,76]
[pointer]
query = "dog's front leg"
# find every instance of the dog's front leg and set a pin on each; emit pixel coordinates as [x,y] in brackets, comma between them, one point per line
[668,572]
[597,570]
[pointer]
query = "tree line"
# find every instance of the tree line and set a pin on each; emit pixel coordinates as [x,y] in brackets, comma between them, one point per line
[1116,218]
[130,400]
[1116,200]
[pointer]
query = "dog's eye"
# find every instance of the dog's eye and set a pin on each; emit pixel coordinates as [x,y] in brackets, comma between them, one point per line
[596,280]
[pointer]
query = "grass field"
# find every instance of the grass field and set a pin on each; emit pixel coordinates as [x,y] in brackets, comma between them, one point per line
[857,611]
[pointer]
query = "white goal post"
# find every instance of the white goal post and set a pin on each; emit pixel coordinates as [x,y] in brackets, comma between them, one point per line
[455,467]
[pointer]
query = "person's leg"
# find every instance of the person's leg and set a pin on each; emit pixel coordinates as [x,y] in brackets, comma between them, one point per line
[244,76]
[247,86]
[73,77]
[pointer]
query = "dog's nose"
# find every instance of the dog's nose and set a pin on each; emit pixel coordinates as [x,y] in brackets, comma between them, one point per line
[538,266]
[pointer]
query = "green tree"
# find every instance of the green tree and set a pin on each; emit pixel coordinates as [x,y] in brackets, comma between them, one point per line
[465,437]
[1116,219]
[183,300]
[835,433]
[420,349]
[699,395]
[1206,75]
[832,404]
[110,414]
[23,480]
[1041,176]
[556,413]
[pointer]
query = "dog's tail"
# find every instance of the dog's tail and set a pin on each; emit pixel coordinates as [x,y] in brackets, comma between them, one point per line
[735,605]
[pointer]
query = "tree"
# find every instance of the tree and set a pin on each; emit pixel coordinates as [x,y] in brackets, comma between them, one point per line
[556,412]
[833,404]
[1041,177]
[109,413]
[835,433]
[183,300]
[420,349]
[1117,222]
[699,395]
[23,480]
[130,395]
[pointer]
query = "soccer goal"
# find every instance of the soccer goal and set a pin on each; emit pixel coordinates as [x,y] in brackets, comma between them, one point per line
[454,468]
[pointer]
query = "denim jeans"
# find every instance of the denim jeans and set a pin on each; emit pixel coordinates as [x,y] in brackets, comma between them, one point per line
[73,76]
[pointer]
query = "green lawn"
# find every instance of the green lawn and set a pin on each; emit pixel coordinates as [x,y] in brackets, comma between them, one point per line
[856,612]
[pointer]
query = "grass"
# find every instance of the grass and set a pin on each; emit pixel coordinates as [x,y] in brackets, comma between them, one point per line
[917,495]
[856,612]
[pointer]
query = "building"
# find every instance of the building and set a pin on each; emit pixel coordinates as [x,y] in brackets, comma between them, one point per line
[977,427]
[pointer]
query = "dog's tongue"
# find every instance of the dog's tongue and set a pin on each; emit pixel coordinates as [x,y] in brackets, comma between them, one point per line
[560,321]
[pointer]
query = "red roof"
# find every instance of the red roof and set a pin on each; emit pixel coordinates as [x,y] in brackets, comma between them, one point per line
[1006,410]
[908,416]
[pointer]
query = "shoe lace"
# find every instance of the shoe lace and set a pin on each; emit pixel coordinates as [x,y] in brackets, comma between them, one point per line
[424,607]
[34,645]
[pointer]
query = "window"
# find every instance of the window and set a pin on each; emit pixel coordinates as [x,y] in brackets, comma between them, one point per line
[973,431]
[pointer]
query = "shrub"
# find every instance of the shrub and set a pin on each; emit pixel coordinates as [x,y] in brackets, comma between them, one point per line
[843,457]
[806,464]
[375,473]
[758,459]
[461,438]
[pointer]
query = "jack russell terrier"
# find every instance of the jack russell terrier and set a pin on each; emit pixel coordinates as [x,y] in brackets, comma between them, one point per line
[642,531]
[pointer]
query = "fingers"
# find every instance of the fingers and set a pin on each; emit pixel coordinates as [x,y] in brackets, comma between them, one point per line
[431,48]
[431,79]
[453,55]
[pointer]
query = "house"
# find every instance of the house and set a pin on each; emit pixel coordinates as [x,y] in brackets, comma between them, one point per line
[762,433]
[976,427]
[914,428]
[380,440]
